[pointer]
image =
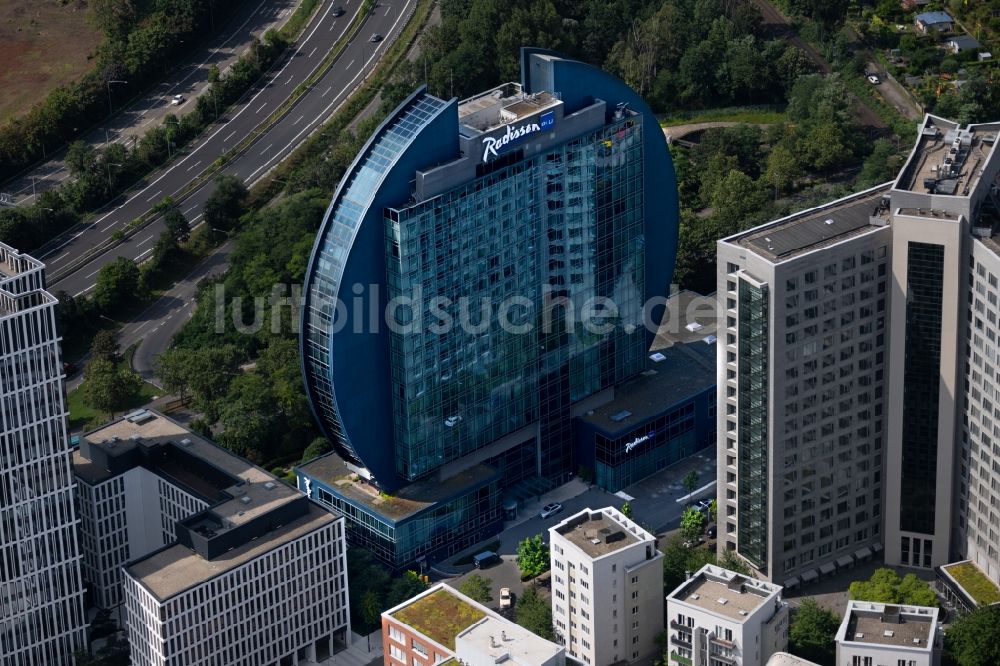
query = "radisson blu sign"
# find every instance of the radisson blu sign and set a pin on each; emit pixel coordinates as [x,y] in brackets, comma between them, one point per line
[639,440]
[492,145]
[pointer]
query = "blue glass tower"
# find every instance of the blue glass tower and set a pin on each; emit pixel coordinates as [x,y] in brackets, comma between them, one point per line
[445,332]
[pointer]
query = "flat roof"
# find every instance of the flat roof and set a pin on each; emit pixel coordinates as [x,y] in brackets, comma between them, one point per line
[240,493]
[814,228]
[889,624]
[689,317]
[601,531]
[725,593]
[176,568]
[417,496]
[976,584]
[502,640]
[440,614]
[502,105]
[949,156]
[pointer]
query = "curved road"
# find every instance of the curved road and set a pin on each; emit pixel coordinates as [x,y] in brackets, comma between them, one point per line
[67,272]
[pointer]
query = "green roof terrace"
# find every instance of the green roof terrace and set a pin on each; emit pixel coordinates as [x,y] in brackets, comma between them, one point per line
[973,582]
[439,615]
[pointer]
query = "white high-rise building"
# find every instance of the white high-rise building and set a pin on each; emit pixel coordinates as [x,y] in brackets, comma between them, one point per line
[41,592]
[607,582]
[215,561]
[721,618]
[859,389]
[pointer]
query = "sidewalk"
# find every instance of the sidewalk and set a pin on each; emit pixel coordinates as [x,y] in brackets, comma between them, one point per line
[189,79]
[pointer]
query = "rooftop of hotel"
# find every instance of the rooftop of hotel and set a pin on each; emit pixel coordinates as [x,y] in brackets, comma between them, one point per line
[440,614]
[600,532]
[816,228]
[505,104]
[176,568]
[887,624]
[505,641]
[948,159]
[725,593]
[409,500]
[238,490]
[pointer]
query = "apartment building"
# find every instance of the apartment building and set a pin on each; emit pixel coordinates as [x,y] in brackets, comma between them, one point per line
[41,591]
[213,559]
[829,312]
[443,626]
[801,382]
[873,634]
[607,577]
[722,618]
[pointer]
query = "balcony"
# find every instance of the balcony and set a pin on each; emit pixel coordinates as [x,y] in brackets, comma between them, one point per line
[680,659]
[681,640]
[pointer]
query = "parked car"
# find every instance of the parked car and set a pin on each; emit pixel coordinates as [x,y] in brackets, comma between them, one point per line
[338,11]
[691,543]
[176,100]
[550,509]
[377,37]
[873,78]
[505,601]
[485,559]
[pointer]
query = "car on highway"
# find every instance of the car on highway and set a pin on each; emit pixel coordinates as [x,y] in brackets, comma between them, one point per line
[873,79]
[550,509]
[377,37]
[176,100]
[337,11]
[505,601]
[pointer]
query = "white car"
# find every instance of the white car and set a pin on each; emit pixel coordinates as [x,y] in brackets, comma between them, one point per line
[505,597]
[873,78]
[550,509]
[176,100]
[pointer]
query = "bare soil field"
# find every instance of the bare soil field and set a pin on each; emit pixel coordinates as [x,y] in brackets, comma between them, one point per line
[43,44]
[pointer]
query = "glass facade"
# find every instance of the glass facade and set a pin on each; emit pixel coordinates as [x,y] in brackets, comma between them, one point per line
[442,530]
[753,419]
[528,244]
[332,249]
[921,372]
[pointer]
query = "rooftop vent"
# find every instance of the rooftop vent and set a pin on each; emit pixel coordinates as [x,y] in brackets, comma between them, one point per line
[916,641]
[722,601]
[859,635]
[270,485]
[828,220]
[696,597]
[140,416]
[595,541]
[657,357]
[888,633]
[185,442]
[245,500]
[743,612]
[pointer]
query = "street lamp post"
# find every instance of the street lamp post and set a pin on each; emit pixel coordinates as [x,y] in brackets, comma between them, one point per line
[110,81]
[111,188]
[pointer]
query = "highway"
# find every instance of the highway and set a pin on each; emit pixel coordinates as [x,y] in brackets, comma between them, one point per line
[67,269]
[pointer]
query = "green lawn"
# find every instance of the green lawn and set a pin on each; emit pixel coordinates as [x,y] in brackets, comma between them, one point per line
[84,417]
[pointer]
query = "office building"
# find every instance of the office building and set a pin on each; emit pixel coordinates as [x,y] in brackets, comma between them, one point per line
[966,586]
[873,634]
[890,292]
[443,626]
[41,591]
[488,230]
[722,618]
[214,560]
[607,582]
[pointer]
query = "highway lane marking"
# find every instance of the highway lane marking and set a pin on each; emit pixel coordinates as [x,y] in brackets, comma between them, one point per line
[143,254]
[327,91]
[349,86]
[290,79]
[83,291]
[95,272]
[300,118]
[350,64]
[193,165]
[190,209]
[266,149]
[154,196]
[388,9]
[143,242]
[230,136]
[313,51]
[261,107]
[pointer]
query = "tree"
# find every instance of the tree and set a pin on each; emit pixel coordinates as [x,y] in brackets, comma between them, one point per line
[534,613]
[108,388]
[477,587]
[713,510]
[410,584]
[679,561]
[627,510]
[811,632]
[105,346]
[729,560]
[114,653]
[885,586]
[974,638]
[782,169]
[880,166]
[369,582]
[177,225]
[117,283]
[371,608]
[692,523]
[226,203]
[690,481]
[532,556]
[316,448]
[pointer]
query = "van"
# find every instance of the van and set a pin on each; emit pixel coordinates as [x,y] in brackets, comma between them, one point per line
[485,559]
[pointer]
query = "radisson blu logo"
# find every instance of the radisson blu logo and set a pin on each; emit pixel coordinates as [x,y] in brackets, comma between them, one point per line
[639,440]
[493,144]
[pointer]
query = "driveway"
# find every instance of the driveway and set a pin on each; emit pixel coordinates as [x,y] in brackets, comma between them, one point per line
[893,93]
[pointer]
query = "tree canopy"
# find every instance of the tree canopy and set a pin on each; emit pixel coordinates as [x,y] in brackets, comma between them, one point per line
[886,586]
[477,587]
[974,638]
[532,556]
[811,632]
[534,613]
